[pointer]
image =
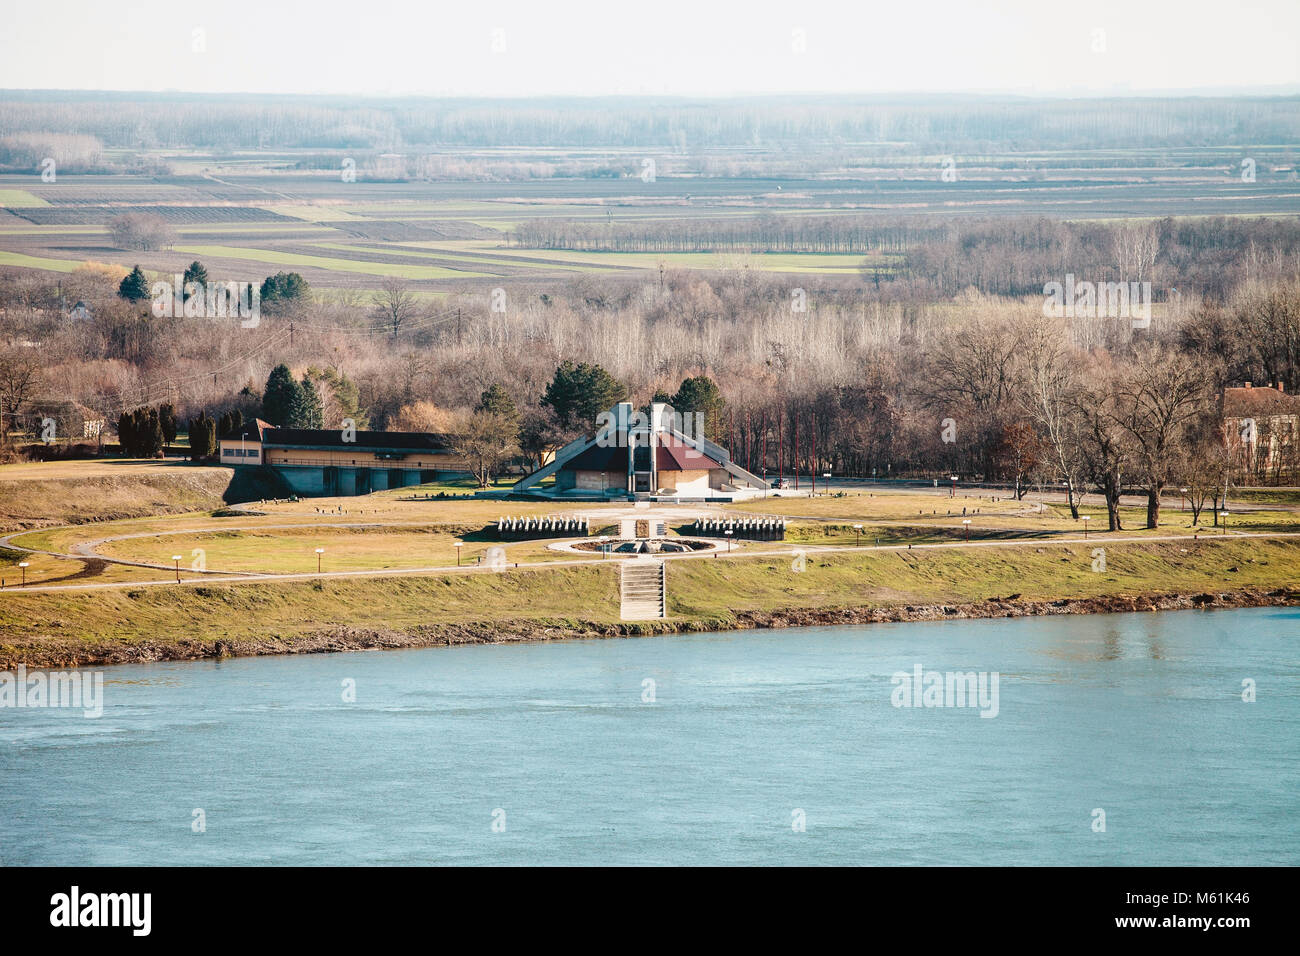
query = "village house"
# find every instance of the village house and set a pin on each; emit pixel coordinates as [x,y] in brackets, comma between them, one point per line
[1260,427]
[334,462]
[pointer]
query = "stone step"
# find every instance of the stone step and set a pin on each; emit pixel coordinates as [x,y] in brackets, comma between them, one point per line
[641,591]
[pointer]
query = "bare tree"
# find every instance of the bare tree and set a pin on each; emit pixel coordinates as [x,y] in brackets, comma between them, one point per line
[1159,395]
[395,304]
[1104,445]
[141,230]
[21,374]
[487,440]
[1050,376]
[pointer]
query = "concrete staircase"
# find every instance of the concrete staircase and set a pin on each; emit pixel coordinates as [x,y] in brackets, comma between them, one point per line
[643,589]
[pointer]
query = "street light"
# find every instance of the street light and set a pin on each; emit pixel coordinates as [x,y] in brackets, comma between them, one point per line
[728,533]
[24,565]
[319,552]
[857,534]
[177,559]
[965,522]
[953,493]
[1182,493]
[459,545]
[1224,516]
[1086,519]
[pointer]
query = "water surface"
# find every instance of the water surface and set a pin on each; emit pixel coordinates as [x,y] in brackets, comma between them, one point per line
[1139,715]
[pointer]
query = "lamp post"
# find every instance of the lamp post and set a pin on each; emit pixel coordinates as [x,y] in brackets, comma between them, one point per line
[1086,519]
[319,552]
[965,523]
[1182,499]
[953,493]
[177,559]
[728,533]
[23,565]
[857,535]
[1224,516]
[459,545]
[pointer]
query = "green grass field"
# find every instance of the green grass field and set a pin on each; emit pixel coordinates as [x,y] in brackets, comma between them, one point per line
[705,594]
[20,199]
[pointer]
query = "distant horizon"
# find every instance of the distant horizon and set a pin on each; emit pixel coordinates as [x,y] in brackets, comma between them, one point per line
[1281,91]
[511,48]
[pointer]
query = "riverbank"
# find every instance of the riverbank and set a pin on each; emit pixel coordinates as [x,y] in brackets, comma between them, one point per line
[136,625]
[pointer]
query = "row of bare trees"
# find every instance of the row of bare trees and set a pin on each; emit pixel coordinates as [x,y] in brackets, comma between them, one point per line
[853,385]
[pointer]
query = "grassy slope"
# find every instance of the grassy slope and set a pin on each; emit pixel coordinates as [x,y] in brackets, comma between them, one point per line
[80,491]
[703,593]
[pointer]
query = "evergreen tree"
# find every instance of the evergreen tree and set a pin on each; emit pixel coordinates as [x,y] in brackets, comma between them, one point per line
[134,286]
[195,272]
[126,433]
[167,419]
[346,395]
[699,394]
[308,410]
[283,290]
[203,437]
[281,397]
[140,433]
[498,401]
[578,393]
[151,436]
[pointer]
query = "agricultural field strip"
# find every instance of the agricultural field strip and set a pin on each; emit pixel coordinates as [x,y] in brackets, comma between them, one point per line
[483,259]
[275,257]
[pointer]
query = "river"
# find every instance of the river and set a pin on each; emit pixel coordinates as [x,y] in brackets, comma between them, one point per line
[747,747]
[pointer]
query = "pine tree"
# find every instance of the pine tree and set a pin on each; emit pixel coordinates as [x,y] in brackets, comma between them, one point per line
[195,272]
[134,286]
[281,397]
[578,393]
[308,411]
[498,401]
[167,419]
[203,437]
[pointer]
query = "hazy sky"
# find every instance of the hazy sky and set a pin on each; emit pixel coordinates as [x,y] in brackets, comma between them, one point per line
[504,47]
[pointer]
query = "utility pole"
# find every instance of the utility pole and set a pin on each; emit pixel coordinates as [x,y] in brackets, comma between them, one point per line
[291,333]
[458,327]
[796,467]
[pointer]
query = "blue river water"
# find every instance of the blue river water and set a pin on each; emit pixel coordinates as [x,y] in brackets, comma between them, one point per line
[751,747]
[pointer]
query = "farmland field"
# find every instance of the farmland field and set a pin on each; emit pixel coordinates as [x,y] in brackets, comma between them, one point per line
[252,213]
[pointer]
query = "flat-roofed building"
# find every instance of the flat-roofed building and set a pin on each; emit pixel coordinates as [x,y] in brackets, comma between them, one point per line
[335,462]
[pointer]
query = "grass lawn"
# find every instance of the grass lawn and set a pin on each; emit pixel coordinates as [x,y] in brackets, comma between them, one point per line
[20,199]
[702,592]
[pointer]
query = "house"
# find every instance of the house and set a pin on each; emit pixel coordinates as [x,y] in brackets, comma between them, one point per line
[1261,426]
[330,462]
[635,456]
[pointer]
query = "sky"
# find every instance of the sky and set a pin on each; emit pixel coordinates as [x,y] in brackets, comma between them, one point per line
[654,47]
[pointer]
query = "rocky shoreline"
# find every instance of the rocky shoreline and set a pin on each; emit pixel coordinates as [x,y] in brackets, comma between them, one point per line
[56,653]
